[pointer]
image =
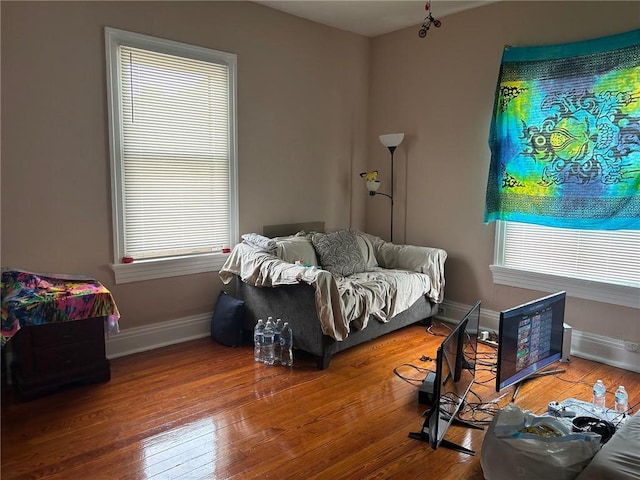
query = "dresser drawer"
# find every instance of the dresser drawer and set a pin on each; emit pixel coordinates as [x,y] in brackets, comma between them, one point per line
[47,357]
[66,332]
[66,356]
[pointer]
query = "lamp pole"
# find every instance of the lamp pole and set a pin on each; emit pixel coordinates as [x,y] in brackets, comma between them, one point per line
[391,150]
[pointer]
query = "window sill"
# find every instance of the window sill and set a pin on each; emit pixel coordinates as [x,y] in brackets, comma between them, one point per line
[596,291]
[167,267]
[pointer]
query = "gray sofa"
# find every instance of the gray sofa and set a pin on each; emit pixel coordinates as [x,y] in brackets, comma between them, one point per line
[329,312]
[296,304]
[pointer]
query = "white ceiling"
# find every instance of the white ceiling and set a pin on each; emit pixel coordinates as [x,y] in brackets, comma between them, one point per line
[370,18]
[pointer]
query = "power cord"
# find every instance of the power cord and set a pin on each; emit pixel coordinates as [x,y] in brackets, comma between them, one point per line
[413,381]
[623,415]
[480,413]
[438,334]
[488,380]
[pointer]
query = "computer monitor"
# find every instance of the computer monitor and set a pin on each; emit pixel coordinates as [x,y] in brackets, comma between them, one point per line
[455,373]
[529,339]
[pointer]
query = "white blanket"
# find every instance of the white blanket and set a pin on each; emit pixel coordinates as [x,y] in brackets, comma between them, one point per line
[343,303]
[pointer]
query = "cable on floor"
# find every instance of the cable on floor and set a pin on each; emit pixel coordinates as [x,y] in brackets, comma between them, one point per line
[413,381]
[438,334]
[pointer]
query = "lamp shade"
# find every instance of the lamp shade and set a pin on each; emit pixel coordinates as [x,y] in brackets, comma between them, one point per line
[373,186]
[392,139]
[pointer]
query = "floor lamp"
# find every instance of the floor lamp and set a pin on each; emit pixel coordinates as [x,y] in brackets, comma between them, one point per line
[391,141]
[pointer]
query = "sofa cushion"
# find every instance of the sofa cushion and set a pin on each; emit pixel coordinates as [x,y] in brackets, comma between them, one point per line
[339,252]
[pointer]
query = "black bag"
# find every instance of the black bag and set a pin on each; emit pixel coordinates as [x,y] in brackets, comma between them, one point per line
[226,324]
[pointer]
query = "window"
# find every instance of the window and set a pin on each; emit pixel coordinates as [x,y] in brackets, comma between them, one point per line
[173,155]
[600,265]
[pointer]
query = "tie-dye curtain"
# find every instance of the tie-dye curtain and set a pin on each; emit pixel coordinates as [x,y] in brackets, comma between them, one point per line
[565,135]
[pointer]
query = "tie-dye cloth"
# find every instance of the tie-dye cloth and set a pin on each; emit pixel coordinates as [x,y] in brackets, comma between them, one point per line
[34,299]
[565,135]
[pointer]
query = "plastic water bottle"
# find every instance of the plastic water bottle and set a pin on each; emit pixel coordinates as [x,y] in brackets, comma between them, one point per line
[258,340]
[269,347]
[286,345]
[622,400]
[599,392]
[276,340]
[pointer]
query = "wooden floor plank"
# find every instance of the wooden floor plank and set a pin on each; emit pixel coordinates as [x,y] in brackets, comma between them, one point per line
[202,410]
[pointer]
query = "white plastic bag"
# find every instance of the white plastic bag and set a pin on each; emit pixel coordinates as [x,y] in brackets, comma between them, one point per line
[509,451]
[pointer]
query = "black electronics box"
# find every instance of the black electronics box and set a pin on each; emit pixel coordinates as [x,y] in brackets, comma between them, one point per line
[425,393]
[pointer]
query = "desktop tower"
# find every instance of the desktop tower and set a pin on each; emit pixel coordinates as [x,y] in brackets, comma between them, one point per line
[566,343]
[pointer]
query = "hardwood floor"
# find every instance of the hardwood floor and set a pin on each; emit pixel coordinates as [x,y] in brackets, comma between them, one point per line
[200,410]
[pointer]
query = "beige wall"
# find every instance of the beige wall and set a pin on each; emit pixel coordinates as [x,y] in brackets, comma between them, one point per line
[311,102]
[439,91]
[302,106]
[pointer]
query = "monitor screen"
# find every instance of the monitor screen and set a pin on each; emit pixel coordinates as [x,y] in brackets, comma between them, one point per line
[455,373]
[529,338]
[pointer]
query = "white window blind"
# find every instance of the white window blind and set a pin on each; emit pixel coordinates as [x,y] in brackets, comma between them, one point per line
[173,155]
[175,126]
[601,266]
[602,256]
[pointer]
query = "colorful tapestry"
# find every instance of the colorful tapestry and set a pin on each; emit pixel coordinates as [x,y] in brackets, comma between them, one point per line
[565,135]
[34,299]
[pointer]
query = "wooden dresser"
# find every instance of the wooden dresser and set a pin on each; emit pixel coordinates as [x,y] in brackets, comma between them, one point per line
[47,357]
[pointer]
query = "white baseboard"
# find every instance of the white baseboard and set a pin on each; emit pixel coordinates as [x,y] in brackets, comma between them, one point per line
[609,351]
[601,349]
[149,337]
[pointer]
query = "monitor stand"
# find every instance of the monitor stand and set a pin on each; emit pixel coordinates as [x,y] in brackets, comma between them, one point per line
[424,437]
[531,377]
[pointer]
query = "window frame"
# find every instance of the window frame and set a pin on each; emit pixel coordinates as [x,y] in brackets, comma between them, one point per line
[604,292]
[148,269]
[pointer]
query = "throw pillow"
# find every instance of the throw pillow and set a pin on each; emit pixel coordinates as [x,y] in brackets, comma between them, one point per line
[226,324]
[339,252]
[296,248]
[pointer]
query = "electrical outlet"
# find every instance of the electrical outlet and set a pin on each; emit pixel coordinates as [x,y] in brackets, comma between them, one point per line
[631,346]
[442,311]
